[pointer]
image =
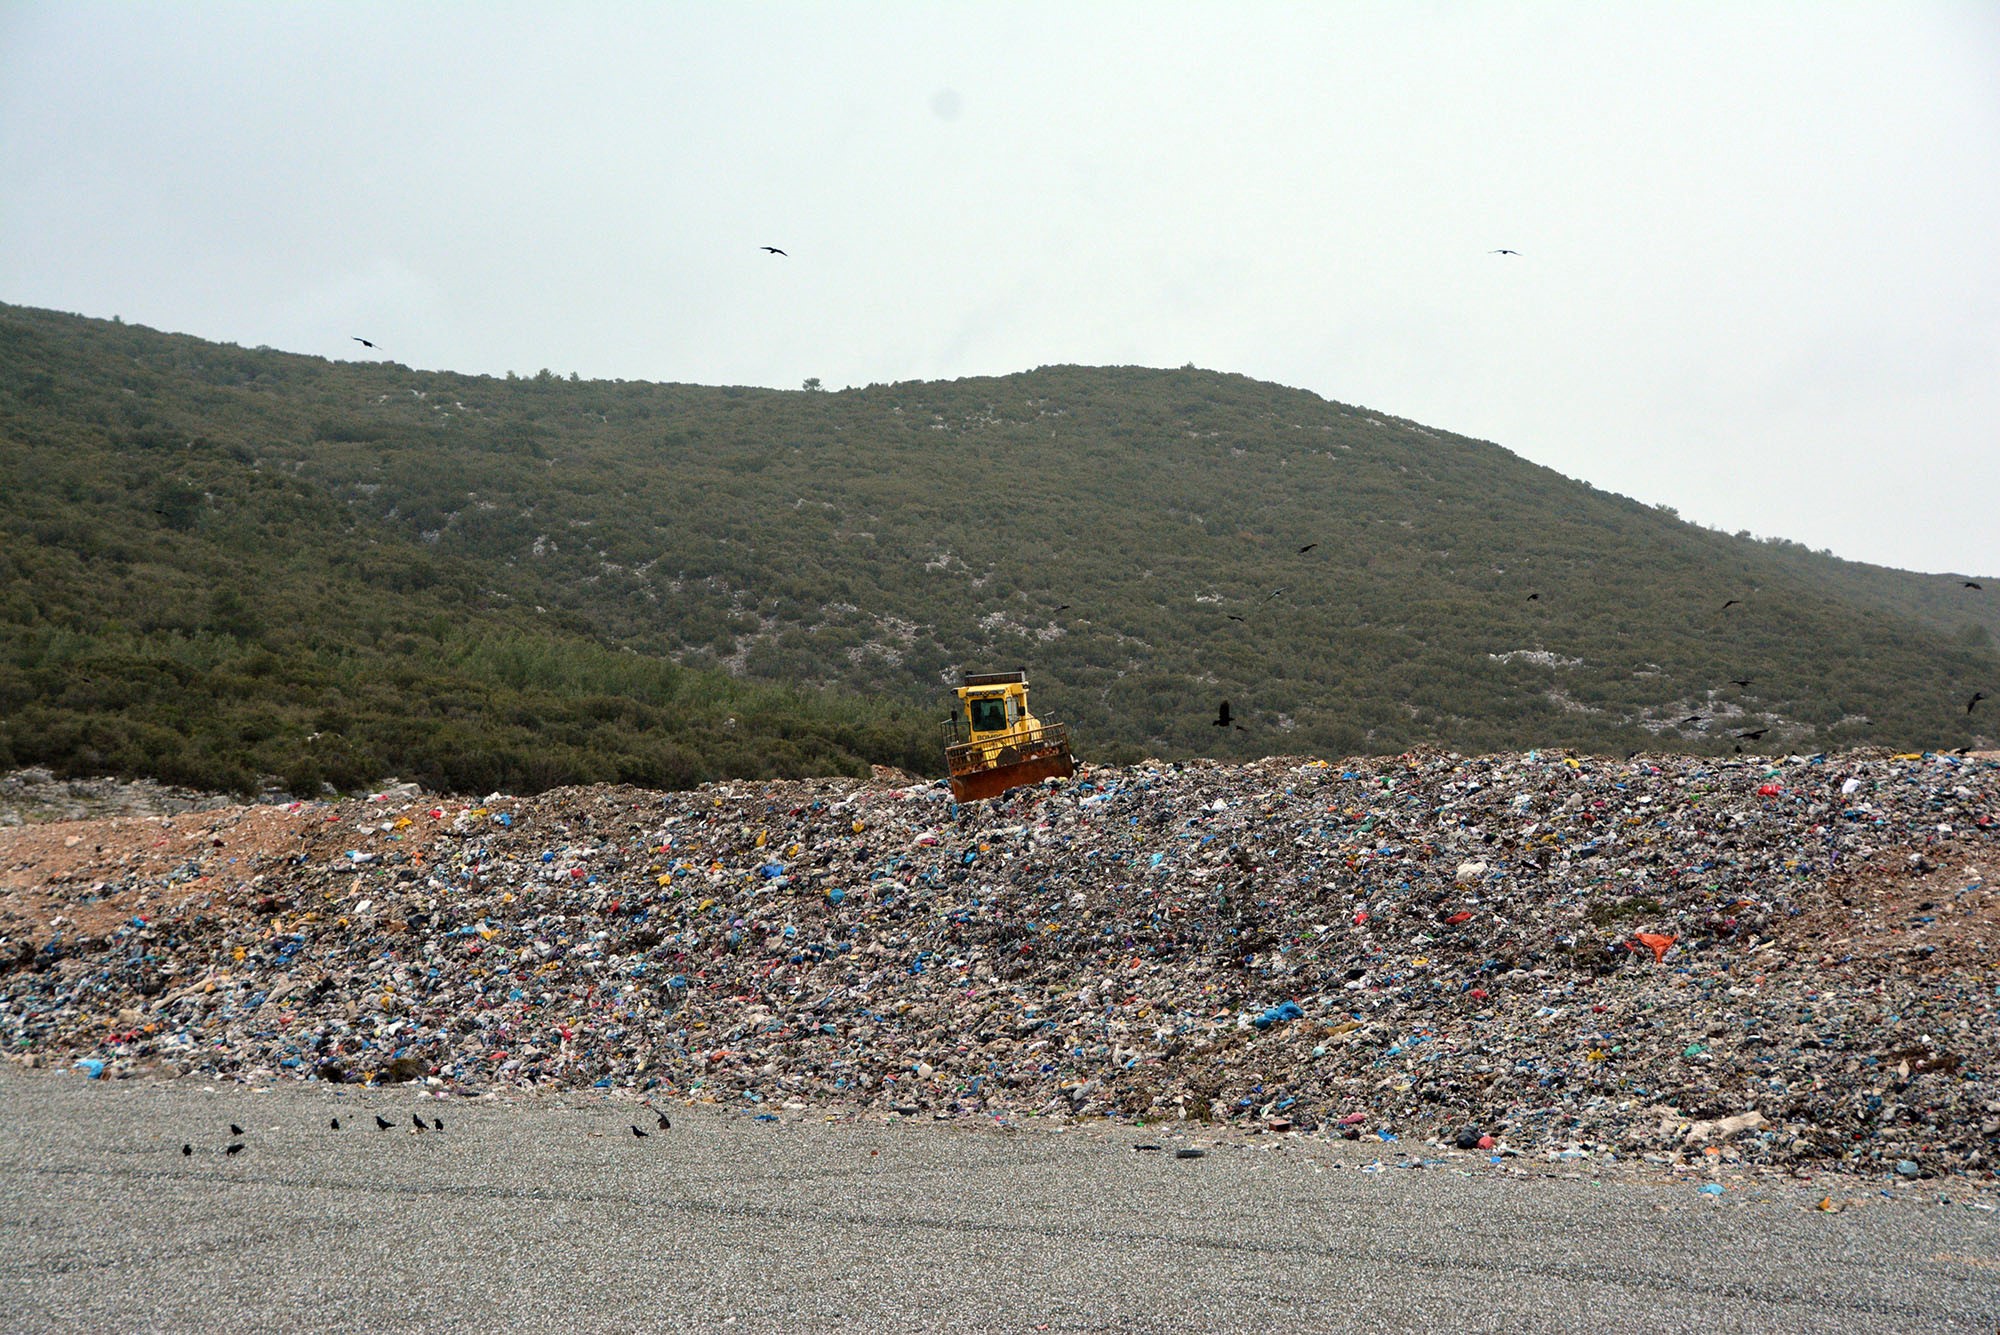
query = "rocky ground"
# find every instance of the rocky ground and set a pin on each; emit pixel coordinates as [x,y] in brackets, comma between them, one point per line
[1789,963]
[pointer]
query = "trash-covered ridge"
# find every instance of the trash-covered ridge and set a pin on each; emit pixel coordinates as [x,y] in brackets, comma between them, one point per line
[1775,962]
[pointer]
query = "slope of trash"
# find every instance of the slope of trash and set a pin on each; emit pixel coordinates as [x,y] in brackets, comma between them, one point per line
[1777,962]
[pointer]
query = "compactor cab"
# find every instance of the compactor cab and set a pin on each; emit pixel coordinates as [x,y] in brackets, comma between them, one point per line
[992,743]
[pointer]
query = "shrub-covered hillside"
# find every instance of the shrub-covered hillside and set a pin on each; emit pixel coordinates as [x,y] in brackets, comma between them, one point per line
[219,563]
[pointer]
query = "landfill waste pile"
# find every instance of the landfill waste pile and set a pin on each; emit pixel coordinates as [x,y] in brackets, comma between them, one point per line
[1784,962]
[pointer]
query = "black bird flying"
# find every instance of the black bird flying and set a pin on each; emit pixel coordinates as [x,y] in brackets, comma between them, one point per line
[1222,719]
[1308,547]
[362,341]
[1731,603]
[1503,251]
[1752,734]
[1534,597]
[1970,585]
[1234,617]
[1741,681]
[773,250]
[1977,696]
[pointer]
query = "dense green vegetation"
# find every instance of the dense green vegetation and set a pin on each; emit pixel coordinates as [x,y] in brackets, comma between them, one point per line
[218,564]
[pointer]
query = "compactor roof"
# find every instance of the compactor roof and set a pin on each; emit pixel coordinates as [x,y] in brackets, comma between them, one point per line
[994,679]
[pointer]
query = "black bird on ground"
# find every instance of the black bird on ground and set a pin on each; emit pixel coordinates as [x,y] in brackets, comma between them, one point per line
[1752,734]
[421,1125]
[638,1133]
[1308,547]
[186,1150]
[665,1125]
[1977,696]
[1731,603]
[437,1123]
[382,1123]
[334,1124]
[237,1148]
[773,250]
[235,1130]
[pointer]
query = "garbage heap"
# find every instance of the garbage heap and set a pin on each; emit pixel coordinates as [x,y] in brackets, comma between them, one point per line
[1768,961]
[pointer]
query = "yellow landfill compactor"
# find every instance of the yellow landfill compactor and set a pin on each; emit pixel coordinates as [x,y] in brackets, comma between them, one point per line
[992,743]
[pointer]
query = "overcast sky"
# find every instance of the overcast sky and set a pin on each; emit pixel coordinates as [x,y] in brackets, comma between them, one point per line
[1759,268]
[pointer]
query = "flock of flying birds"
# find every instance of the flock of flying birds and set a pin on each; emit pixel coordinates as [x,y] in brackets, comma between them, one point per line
[1224,719]
[418,1126]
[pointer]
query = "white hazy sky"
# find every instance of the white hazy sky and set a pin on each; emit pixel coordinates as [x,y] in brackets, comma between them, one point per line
[1759,269]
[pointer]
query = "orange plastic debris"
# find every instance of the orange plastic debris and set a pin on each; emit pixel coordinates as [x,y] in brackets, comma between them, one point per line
[1657,944]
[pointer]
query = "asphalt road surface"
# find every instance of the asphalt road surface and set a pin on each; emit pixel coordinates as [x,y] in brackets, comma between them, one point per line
[547,1213]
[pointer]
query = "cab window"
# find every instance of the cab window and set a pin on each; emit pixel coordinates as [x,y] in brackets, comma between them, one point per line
[989,715]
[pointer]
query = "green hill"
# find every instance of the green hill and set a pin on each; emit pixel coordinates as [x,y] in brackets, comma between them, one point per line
[210,554]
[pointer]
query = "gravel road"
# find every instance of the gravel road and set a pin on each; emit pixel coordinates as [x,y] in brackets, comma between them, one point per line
[546,1213]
